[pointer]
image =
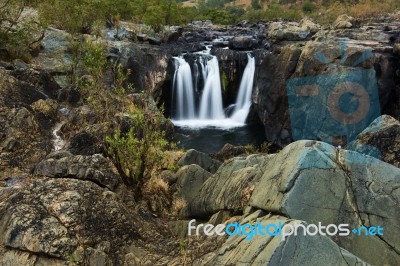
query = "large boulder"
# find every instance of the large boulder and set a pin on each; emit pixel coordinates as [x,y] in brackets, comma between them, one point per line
[343,22]
[55,55]
[201,159]
[380,139]
[269,250]
[54,221]
[292,31]
[229,151]
[147,65]
[95,168]
[19,151]
[190,178]
[229,188]
[316,182]
[243,43]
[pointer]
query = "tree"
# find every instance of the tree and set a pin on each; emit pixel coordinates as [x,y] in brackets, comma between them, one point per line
[140,149]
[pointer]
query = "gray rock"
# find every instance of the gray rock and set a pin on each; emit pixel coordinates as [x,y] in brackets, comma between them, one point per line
[315,182]
[309,25]
[279,31]
[54,56]
[228,151]
[343,22]
[190,179]
[201,159]
[298,60]
[154,41]
[381,139]
[55,219]
[229,188]
[94,168]
[267,250]
[243,43]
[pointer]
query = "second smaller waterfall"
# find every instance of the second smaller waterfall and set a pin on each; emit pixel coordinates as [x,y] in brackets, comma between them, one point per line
[184,97]
[243,100]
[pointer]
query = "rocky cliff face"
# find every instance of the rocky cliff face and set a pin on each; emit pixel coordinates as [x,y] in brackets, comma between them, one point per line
[287,51]
[283,52]
[71,207]
[301,59]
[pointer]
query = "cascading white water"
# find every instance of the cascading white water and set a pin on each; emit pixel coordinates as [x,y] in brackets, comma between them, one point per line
[185,108]
[211,111]
[211,99]
[243,100]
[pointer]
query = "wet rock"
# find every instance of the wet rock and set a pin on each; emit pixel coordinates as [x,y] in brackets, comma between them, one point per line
[243,43]
[173,37]
[201,159]
[154,41]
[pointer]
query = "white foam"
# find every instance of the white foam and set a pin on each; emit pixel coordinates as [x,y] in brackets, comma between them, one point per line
[210,123]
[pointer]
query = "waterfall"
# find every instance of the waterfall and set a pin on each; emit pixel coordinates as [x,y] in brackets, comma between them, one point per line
[211,99]
[183,94]
[206,82]
[243,100]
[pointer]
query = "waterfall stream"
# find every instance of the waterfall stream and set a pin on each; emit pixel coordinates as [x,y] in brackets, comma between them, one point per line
[243,100]
[210,110]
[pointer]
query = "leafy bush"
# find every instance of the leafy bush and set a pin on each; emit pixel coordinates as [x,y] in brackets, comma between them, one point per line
[140,149]
[308,6]
[255,4]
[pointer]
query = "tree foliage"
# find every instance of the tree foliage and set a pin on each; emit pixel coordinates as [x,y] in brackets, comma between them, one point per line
[139,150]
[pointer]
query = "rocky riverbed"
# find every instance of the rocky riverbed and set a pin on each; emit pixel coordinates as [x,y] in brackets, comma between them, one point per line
[69,205]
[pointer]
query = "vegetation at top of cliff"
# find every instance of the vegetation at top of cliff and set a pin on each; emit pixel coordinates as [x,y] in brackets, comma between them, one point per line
[20,27]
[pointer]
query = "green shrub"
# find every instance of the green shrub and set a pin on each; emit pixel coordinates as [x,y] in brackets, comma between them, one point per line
[308,7]
[139,150]
[255,4]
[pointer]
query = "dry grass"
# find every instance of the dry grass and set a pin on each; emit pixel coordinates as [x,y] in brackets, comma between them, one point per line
[177,205]
[156,185]
[371,8]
